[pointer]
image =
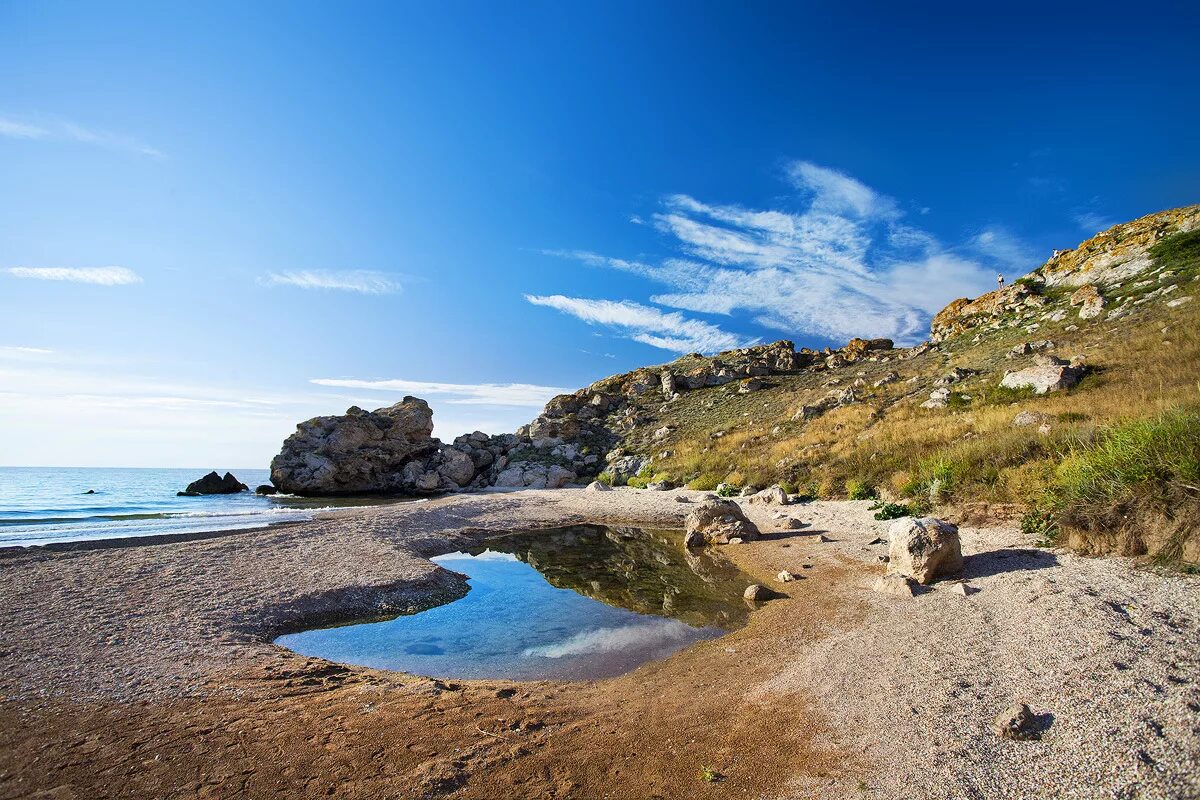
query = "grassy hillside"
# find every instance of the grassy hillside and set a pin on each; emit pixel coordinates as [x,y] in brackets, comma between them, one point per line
[1110,464]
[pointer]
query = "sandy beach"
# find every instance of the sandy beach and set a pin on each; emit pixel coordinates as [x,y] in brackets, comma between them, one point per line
[148,671]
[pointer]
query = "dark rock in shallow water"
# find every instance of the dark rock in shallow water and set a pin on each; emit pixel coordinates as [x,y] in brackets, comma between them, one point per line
[266,488]
[90,491]
[212,483]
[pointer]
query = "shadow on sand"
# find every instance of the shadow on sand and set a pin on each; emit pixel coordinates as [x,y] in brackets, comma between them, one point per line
[996,562]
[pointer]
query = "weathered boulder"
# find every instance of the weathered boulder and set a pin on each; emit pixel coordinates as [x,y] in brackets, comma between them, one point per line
[771,496]
[212,483]
[938,398]
[718,521]
[923,549]
[757,593]
[359,452]
[1048,374]
[597,486]
[266,488]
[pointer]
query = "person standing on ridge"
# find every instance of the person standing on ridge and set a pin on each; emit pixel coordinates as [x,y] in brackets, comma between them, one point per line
[999,281]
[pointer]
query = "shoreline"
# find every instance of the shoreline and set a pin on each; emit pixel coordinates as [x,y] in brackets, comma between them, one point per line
[158,659]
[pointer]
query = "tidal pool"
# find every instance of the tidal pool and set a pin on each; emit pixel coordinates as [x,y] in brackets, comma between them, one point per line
[574,603]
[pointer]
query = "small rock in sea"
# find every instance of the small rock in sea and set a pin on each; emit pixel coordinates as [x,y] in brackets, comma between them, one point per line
[266,488]
[785,577]
[597,486]
[1016,722]
[895,585]
[212,483]
[90,491]
[756,592]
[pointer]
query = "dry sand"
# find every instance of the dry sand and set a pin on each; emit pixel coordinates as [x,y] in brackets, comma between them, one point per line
[147,671]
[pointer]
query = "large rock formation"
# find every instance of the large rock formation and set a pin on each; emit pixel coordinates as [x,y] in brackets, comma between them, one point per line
[359,452]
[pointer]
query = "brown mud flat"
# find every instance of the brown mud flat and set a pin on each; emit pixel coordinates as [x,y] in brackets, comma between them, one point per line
[148,672]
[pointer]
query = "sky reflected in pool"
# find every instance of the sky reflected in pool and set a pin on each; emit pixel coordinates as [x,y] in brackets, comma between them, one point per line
[514,624]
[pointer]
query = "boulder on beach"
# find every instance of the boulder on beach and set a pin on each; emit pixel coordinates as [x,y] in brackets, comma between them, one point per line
[719,521]
[359,452]
[773,495]
[923,549]
[212,483]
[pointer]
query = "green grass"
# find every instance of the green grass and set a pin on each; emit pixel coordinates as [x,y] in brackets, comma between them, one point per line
[1135,484]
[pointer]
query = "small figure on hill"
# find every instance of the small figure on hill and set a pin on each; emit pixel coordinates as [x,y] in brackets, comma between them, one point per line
[999,281]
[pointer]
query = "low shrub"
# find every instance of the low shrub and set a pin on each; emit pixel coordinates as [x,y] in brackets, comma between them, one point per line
[705,482]
[891,510]
[858,489]
[728,490]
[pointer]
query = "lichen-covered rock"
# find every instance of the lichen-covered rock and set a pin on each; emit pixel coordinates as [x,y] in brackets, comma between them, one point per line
[1091,303]
[718,521]
[923,549]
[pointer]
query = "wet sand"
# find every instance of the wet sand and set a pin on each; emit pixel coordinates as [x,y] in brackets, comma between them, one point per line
[148,671]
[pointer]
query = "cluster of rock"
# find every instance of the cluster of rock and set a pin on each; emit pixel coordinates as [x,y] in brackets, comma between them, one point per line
[392,451]
[718,521]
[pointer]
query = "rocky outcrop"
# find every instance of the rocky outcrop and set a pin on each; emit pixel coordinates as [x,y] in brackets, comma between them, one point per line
[1048,374]
[1119,253]
[718,522]
[1089,300]
[1107,259]
[923,549]
[212,483]
[535,476]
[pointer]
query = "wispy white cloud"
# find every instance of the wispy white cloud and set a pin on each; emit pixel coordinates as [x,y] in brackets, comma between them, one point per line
[846,264]
[65,131]
[24,351]
[1092,223]
[1005,249]
[102,276]
[666,330]
[499,394]
[358,280]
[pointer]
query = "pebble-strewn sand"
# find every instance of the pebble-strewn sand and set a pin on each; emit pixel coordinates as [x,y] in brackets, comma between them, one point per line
[147,671]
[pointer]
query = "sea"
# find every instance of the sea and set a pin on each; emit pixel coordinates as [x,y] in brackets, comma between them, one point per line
[44,505]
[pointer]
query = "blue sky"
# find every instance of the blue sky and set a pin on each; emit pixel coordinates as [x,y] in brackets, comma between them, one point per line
[220,218]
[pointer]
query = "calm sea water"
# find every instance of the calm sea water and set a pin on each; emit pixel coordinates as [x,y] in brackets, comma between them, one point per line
[40,505]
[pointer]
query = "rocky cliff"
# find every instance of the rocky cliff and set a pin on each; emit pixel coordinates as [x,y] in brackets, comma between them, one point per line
[771,412]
